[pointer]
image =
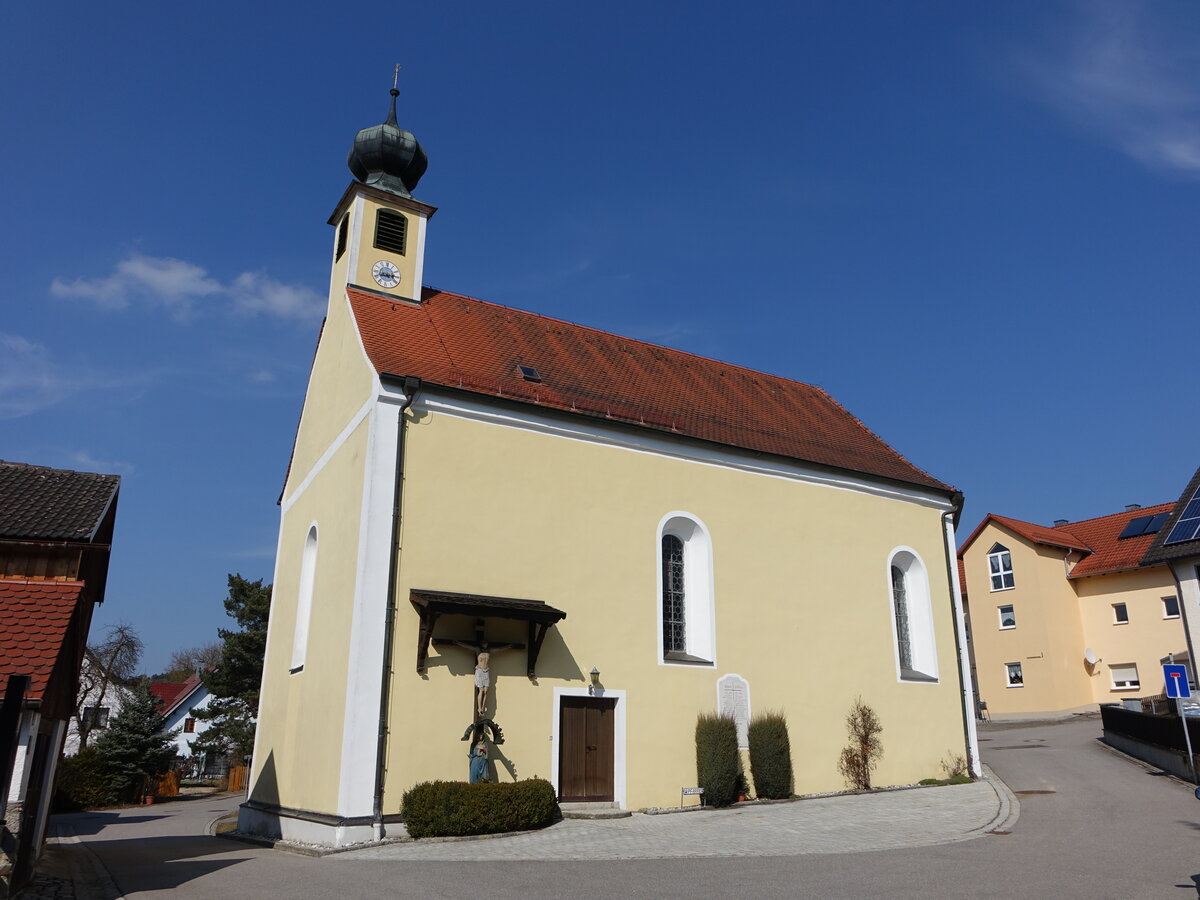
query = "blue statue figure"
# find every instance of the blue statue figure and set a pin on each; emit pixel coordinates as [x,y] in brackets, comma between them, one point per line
[479,761]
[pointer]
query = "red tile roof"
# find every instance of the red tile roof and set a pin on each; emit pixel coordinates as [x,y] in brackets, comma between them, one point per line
[34,616]
[459,342]
[170,693]
[1096,538]
[1108,553]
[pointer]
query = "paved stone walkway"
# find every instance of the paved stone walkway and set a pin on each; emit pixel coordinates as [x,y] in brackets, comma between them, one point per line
[890,820]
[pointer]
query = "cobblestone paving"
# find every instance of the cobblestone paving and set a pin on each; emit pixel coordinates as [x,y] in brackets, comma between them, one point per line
[894,819]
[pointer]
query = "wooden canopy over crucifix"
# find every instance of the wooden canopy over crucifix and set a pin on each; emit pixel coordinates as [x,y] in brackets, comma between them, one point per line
[431,605]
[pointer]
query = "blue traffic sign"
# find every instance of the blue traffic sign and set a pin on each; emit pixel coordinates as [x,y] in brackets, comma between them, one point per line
[1177,681]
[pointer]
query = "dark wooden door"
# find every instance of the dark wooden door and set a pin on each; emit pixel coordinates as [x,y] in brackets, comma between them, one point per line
[585,763]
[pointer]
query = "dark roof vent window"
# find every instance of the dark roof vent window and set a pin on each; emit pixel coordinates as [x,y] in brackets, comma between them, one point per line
[529,373]
[343,230]
[1058,522]
[391,230]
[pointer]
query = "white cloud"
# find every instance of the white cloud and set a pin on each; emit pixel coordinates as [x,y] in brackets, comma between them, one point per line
[176,285]
[29,380]
[254,292]
[1125,73]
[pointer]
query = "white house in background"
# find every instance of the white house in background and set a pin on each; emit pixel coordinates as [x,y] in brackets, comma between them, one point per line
[180,701]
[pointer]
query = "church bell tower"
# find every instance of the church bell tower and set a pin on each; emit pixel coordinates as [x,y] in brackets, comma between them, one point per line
[379,242]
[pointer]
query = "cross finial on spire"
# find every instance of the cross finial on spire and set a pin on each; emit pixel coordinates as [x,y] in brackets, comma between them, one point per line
[396,78]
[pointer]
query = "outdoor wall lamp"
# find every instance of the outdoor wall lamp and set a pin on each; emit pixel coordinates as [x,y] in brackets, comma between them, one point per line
[595,675]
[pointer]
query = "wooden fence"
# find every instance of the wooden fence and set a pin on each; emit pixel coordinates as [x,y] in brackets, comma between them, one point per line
[237,778]
[166,785]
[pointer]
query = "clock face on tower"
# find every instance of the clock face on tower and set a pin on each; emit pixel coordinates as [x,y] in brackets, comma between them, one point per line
[385,274]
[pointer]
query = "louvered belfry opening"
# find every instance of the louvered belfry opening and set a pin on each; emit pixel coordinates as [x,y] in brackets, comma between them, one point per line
[391,230]
[343,233]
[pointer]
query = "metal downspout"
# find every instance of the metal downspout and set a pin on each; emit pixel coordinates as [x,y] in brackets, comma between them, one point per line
[411,386]
[964,664]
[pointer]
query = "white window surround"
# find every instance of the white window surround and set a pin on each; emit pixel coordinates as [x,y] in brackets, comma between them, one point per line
[619,762]
[1013,676]
[1120,614]
[1125,677]
[699,610]
[922,649]
[1008,620]
[304,595]
[1169,604]
[1000,569]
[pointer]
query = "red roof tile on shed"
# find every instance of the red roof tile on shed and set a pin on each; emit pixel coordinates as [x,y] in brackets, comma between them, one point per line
[459,342]
[34,616]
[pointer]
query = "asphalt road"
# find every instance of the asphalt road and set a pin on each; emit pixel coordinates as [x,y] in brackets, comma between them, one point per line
[1092,824]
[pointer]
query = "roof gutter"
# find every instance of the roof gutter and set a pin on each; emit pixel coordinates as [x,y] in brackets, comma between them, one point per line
[949,520]
[411,386]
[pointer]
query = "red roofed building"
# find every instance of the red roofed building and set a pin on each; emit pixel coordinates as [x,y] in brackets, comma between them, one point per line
[56,529]
[1068,616]
[633,535]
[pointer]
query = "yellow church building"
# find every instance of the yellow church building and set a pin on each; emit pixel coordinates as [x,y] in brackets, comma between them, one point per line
[635,535]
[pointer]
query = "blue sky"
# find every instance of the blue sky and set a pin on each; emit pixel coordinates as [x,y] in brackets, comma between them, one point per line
[973,223]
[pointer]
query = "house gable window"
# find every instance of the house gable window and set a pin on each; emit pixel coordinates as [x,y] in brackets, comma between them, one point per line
[1170,607]
[1008,618]
[1000,568]
[308,570]
[912,617]
[685,591]
[1120,614]
[189,725]
[95,717]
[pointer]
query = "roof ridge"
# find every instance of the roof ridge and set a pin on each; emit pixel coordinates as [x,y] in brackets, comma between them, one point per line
[1155,509]
[9,462]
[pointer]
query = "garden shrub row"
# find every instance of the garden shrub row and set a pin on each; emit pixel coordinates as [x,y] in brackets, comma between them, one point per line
[450,808]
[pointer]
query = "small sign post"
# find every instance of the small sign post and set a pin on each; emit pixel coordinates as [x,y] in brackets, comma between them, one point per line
[685,792]
[1176,680]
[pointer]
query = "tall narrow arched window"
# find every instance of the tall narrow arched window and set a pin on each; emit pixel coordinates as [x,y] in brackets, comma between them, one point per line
[900,606]
[308,571]
[912,617]
[685,591]
[674,613]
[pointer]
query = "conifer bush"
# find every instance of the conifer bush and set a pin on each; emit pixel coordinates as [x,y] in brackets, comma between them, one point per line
[134,749]
[83,782]
[446,808]
[770,756]
[718,763]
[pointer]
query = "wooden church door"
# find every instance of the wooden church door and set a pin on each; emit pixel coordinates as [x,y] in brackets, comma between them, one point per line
[585,763]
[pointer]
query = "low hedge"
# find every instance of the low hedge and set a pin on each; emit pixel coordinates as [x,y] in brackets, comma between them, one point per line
[83,782]
[444,808]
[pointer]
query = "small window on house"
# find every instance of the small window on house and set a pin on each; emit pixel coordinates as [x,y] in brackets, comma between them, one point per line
[1000,568]
[189,726]
[391,231]
[343,231]
[1008,618]
[1120,614]
[95,717]
[1013,675]
[1170,607]
[1125,677]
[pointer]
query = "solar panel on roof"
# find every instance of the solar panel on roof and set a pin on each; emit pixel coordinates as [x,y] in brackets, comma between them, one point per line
[1188,526]
[1157,523]
[1135,527]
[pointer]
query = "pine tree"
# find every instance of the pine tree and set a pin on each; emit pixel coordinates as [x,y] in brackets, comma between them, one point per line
[135,748]
[236,680]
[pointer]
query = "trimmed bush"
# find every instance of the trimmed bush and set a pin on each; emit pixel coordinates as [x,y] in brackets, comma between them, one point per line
[444,808]
[718,763]
[770,756]
[83,782]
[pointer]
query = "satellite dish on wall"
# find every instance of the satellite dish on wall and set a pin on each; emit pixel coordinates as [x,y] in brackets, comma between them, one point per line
[1089,656]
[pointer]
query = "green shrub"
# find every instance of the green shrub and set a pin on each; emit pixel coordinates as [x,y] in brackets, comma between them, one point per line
[83,782]
[770,756]
[718,763]
[442,808]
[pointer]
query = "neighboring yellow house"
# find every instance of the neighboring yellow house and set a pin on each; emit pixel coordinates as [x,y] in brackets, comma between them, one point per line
[638,535]
[1065,618]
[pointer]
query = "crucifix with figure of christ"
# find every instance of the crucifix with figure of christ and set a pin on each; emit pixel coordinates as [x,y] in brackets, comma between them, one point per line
[483,651]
